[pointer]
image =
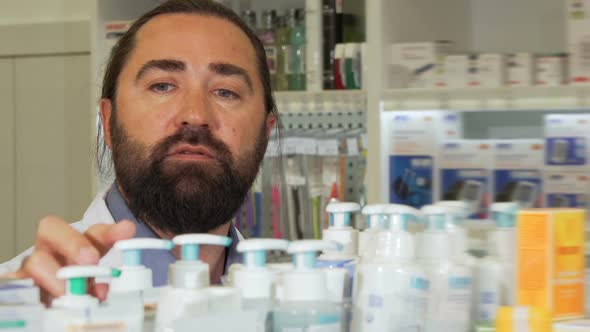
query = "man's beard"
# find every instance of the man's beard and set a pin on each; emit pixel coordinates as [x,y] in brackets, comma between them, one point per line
[184,197]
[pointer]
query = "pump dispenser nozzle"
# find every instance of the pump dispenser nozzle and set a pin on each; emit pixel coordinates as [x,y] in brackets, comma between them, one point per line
[76,285]
[255,280]
[305,283]
[190,272]
[341,231]
[399,216]
[457,211]
[502,240]
[394,243]
[374,216]
[135,276]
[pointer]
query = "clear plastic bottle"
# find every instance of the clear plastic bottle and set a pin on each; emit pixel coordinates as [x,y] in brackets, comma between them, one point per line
[449,307]
[391,291]
[297,71]
[284,49]
[304,298]
[267,36]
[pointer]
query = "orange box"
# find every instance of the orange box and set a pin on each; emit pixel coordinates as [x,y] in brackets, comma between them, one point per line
[550,261]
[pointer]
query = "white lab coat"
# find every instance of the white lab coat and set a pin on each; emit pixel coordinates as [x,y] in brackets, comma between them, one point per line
[97,213]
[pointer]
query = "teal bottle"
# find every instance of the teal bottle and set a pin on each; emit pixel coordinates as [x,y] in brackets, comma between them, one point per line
[297,74]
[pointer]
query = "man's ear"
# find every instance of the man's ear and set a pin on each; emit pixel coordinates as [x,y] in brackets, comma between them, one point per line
[271,121]
[106,110]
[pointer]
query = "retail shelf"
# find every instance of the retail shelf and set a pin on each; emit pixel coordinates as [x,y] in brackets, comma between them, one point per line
[321,101]
[478,99]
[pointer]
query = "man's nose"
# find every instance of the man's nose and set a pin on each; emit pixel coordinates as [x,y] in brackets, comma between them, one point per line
[196,110]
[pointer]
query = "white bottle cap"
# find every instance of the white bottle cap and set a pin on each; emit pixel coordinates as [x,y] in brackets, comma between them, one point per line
[434,242]
[305,283]
[339,51]
[374,215]
[76,277]
[396,244]
[502,240]
[340,230]
[504,214]
[254,279]
[190,272]
[457,212]
[351,49]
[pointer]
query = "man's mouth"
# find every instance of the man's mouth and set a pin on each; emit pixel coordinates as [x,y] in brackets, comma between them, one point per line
[190,152]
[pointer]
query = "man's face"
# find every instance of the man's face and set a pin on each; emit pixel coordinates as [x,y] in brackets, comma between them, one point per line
[189,126]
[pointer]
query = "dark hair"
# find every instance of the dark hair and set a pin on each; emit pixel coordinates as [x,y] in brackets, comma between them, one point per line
[123,48]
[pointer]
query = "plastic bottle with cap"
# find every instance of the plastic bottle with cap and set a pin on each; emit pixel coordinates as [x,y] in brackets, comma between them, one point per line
[81,311]
[449,307]
[374,216]
[495,273]
[340,231]
[391,290]
[134,275]
[188,280]
[255,280]
[304,301]
[458,211]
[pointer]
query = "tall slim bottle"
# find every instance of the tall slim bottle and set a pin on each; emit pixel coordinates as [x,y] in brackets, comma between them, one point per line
[268,38]
[297,72]
[284,48]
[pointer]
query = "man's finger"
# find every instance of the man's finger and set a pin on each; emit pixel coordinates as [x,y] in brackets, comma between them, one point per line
[104,236]
[58,237]
[43,267]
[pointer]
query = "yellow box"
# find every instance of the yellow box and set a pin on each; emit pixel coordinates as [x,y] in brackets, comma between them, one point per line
[550,261]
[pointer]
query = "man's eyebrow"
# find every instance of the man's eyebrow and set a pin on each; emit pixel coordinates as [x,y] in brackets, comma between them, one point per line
[161,64]
[227,69]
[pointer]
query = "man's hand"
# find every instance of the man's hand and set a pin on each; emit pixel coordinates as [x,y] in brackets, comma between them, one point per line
[58,244]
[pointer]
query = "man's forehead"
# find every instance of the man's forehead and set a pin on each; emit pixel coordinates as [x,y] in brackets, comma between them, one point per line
[197,27]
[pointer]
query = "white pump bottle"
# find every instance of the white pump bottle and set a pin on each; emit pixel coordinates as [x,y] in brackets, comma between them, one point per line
[188,279]
[304,295]
[449,307]
[255,280]
[391,291]
[496,272]
[77,310]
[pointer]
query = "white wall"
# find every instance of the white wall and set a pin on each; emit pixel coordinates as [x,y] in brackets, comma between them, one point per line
[31,11]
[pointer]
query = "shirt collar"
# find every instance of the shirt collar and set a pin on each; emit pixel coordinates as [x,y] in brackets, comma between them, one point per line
[159,260]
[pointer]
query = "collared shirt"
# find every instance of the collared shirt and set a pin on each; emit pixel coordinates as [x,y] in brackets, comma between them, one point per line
[159,260]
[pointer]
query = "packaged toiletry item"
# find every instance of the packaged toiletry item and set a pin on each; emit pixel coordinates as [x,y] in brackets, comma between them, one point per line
[495,274]
[563,190]
[303,294]
[353,65]
[520,69]
[414,154]
[523,319]
[550,261]
[418,65]
[578,40]
[20,306]
[284,50]
[188,278]
[391,291]
[449,307]
[566,142]
[79,311]
[456,71]
[255,281]
[518,175]
[491,71]
[551,70]
[339,67]
[466,175]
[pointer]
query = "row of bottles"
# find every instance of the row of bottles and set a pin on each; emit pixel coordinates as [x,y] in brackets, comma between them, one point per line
[284,41]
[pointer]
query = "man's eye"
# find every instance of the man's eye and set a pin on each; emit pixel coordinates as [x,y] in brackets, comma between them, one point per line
[162,87]
[226,94]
